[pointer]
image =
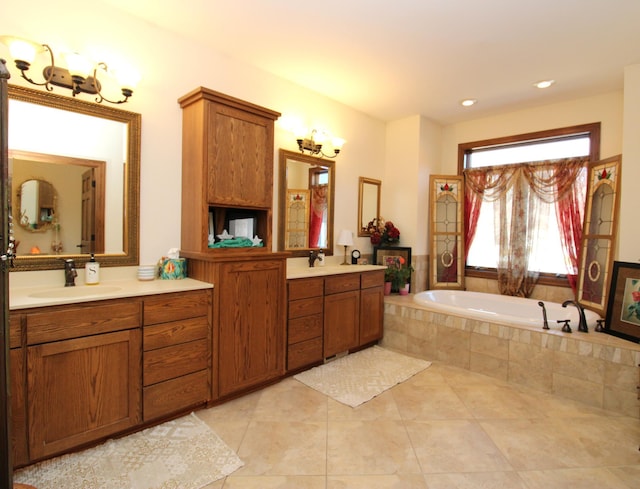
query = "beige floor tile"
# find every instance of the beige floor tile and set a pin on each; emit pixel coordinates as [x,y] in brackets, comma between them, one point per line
[475,480]
[396,481]
[629,475]
[380,407]
[583,478]
[292,401]
[276,482]
[366,448]
[497,401]
[429,402]
[454,446]
[537,444]
[284,448]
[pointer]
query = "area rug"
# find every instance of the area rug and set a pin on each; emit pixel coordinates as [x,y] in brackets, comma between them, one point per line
[359,377]
[184,453]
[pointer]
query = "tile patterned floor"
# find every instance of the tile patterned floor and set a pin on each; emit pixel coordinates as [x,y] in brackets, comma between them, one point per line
[445,428]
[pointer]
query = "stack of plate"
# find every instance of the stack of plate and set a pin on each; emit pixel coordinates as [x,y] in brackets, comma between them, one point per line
[146,272]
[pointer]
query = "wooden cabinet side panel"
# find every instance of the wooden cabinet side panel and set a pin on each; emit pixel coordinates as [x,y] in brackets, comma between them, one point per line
[82,390]
[341,322]
[18,407]
[251,323]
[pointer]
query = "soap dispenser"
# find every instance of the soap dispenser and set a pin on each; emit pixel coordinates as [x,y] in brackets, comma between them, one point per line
[92,271]
[321,258]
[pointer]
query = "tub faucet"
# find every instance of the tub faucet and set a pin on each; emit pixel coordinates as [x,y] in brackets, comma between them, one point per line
[70,272]
[582,323]
[544,315]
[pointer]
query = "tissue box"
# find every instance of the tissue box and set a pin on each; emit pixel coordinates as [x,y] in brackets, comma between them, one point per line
[173,268]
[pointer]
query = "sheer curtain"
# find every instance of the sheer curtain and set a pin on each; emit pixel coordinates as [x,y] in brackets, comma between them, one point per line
[523,195]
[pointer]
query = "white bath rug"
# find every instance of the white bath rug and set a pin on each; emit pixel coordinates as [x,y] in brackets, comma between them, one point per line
[361,376]
[183,453]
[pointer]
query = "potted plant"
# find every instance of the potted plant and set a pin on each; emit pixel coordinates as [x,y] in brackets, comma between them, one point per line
[402,277]
[389,277]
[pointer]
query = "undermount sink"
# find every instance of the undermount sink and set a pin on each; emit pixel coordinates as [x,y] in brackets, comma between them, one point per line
[83,291]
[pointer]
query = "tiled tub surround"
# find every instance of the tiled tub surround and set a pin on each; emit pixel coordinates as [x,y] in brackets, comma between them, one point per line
[594,368]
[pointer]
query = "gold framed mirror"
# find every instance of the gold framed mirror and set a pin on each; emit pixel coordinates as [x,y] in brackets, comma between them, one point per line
[306,204]
[56,129]
[369,190]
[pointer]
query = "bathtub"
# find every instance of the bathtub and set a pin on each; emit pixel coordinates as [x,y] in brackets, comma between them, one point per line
[494,308]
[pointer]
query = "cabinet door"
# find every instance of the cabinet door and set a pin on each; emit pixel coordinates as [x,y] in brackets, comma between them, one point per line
[82,390]
[240,158]
[251,323]
[341,322]
[371,314]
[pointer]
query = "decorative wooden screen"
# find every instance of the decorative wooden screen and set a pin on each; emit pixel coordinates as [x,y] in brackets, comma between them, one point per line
[446,198]
[297,219]
[599,234]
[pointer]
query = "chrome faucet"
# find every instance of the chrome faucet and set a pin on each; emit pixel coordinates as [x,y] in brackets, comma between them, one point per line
[544,315]
[313,256]
[70,272]
[582,323]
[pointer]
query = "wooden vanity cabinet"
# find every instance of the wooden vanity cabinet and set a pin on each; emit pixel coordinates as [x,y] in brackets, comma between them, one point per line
[176,358]
[83,375]
[227,174]
[305,322]
[332,314]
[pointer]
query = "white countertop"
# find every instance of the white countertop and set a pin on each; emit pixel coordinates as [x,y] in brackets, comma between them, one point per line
[306,272]
[48,295]
[46,288]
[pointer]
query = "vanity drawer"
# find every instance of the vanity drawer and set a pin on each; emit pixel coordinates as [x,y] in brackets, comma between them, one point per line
[372,279]
[305,307]
[67,323]
[301,288]
[175,332]
[304,353]
[173,307]
[305,328]
[175,395]
[341,283]
[173,361]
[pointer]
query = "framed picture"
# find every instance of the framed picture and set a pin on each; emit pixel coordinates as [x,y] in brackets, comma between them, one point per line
[388,255]
[623,308]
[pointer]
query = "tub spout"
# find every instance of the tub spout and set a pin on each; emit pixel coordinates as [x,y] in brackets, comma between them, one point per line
[582,323]
[544,315]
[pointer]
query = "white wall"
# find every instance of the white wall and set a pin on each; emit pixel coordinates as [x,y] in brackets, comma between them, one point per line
[171,67]
[629,231]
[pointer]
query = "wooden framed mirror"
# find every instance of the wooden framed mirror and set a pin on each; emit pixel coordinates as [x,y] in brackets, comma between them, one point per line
[306,204]
[46,128]
[368,203]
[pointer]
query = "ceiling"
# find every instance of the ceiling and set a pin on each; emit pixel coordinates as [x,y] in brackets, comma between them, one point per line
[393,59]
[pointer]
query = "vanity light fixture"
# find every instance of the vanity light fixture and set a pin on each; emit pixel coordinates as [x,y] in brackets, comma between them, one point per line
[80,76]
[313,144]
[345,239]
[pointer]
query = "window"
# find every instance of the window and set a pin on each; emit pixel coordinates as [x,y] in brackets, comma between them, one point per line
[549,259]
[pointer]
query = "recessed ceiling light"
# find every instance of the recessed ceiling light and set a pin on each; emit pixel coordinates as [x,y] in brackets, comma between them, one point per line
[468,102]
[544,83]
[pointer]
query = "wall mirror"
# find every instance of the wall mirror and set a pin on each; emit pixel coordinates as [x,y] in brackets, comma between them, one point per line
[90,154]
[305,218]
[368,203]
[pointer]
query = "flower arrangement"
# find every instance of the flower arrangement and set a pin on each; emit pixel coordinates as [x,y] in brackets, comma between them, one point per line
[382,232]
[398,273]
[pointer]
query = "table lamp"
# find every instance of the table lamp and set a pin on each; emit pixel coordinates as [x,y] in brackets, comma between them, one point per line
[345,239]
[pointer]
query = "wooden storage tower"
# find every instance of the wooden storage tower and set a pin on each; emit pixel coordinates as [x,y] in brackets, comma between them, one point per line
[227,173]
